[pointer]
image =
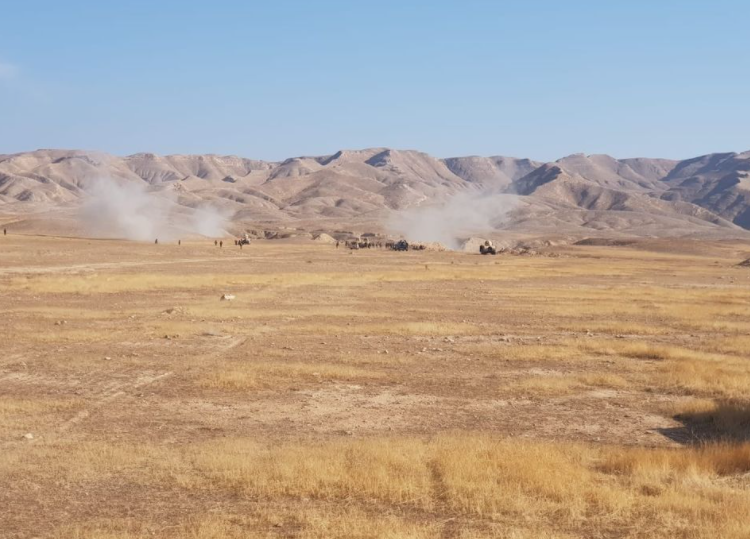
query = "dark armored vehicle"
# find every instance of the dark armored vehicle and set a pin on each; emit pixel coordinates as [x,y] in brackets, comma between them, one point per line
[487,249]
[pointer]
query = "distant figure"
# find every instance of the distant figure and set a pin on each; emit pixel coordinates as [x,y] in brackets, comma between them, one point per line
[216,243]
[5,231]
[179,242]
[239,243]
[337,245]
[156,241]
[221,243]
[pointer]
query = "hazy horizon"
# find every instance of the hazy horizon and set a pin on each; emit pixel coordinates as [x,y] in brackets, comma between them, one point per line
[324,153]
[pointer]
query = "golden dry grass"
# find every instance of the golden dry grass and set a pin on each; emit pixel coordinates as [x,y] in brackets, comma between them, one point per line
[547,386]
[135,282]
[726,378]
[394,328]
[12,407]
[307,523]
[283,417]
[561,488]
[267,375]
[557,384]
[19,415]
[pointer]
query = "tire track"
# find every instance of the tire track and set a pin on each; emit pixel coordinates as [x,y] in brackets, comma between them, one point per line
[113,392]
[109,389]
[78,268]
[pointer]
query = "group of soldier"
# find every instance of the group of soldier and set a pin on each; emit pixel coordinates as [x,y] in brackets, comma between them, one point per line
[392,245]
[349,244]
[217,243]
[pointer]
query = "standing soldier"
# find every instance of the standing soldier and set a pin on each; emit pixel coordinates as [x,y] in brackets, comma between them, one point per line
[221,243]
[156,241]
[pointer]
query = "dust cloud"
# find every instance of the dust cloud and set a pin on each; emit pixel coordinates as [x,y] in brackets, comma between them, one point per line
[463,215]
[208,221]
[128,210]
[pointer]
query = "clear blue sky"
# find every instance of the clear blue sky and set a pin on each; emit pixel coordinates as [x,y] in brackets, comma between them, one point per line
[274,79]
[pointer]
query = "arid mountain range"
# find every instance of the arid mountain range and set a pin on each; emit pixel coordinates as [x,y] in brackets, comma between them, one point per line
[578,195]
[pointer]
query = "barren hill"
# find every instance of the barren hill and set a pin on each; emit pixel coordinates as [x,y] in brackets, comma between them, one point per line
[576,195]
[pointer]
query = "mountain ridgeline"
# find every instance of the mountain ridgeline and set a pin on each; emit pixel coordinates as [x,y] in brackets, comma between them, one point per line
[579,194]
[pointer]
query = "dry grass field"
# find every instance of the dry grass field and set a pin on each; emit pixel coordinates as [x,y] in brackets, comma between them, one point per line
[604,393]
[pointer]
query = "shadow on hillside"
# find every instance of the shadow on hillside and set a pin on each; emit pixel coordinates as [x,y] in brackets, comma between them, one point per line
[727,421]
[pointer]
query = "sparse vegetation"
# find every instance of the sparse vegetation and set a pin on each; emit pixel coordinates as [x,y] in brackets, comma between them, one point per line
[587,396]
[269,375]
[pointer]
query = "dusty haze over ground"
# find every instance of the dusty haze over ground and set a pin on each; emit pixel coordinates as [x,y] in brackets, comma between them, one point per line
[377,189]
[462,215]
[128,210]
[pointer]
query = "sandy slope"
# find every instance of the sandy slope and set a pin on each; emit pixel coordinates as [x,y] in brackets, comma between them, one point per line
[577,195]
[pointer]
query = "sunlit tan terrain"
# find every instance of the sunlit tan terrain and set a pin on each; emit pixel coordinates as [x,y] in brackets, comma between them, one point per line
[603,392]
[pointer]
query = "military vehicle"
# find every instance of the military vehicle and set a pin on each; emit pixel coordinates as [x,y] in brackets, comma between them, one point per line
[487,249]
[401,245]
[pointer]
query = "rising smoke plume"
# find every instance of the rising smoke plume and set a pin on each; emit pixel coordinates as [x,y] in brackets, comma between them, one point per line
[208,221]
[128,210]
[463,215]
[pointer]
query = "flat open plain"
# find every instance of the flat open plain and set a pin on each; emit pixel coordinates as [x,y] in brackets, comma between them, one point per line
[602,393]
